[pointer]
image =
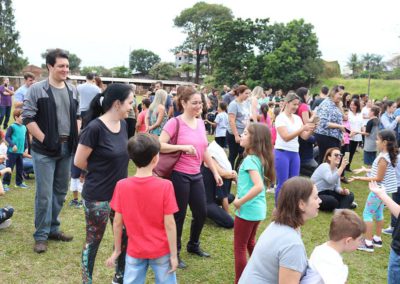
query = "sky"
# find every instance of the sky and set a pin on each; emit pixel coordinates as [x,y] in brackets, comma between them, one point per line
[104,32]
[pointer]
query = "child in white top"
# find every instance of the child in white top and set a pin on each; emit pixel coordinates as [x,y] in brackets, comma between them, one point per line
[326,264]
[221,123]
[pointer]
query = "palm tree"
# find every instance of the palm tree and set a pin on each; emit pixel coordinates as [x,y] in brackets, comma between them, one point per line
[354,64]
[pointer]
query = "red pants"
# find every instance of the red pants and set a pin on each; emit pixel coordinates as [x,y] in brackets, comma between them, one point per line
[243,239]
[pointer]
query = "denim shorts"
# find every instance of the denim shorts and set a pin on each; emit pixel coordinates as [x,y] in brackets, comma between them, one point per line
[136,269]
[369,158]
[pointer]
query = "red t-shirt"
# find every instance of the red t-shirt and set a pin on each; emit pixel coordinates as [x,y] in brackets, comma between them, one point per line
[141,120]
[143,202]
[302,108]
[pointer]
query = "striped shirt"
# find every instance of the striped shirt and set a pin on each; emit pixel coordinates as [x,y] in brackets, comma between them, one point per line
[389,180]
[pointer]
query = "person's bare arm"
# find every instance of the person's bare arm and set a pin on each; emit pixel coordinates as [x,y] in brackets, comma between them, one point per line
[170,228]
[117,229]
[81,156]
[288,276]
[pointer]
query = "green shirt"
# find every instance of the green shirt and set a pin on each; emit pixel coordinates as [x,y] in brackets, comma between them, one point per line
[256,208]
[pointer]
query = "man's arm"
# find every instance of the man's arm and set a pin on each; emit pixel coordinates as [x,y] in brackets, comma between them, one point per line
[35,131]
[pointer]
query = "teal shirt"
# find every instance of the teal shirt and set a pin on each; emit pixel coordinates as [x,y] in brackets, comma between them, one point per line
[256,208]
[18,134]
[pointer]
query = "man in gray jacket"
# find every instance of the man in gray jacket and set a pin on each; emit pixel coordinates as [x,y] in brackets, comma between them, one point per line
[51,112]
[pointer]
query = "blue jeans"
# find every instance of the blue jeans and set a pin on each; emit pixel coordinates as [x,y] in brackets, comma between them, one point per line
[136,269]
[394,268]
[28,166]
[51,180]
[14,159]
[5,112]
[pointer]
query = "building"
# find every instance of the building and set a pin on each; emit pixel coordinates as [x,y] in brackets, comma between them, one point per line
[190,58]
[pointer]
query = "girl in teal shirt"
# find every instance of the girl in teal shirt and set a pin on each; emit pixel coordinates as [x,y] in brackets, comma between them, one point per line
[250,203]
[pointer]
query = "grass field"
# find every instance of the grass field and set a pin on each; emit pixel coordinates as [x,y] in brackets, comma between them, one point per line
[379,88]
[61,263]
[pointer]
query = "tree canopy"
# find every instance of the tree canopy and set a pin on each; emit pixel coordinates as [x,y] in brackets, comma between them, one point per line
[196,23]
[73,59]
[142,60]
[11,60]
[163,71]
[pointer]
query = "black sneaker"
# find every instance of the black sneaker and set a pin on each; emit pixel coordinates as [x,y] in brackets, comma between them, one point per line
[353,205]
[181,264]
[365,247]
[377,244]
[118,279]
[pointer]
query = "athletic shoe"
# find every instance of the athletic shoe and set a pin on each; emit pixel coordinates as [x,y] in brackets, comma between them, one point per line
[377,244]
[118,279]
[365,247]
[6,187]
[353,205]
[22,185]
[5,224]
[75,203]
[388,230]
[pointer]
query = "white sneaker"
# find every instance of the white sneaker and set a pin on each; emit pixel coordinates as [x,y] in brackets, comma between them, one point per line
[5,224]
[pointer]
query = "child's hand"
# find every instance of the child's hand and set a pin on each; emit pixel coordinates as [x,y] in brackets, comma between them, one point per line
[360,170]
[377,189]
[218,180]
[353,178]
[237,204]
[174,263]
[111,261]
[14,148]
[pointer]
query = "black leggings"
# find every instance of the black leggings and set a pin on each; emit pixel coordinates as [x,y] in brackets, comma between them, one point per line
[332,200]
[352,150]
[235,150]
[324,143]
[189,189]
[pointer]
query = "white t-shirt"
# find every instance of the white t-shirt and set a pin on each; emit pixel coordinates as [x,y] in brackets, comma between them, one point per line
[365,113]
[283,120]
[325,267]
[222,124]
[356,122]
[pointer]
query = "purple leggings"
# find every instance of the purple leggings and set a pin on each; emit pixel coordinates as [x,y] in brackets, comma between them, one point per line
[287,165]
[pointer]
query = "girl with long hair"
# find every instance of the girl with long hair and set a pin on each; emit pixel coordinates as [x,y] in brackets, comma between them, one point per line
[156,116]
[383,172]
[256,170]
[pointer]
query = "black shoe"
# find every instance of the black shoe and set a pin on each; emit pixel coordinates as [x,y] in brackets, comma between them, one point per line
[181,264]
[353,205]
[118,279]
[198,251]
[344,180]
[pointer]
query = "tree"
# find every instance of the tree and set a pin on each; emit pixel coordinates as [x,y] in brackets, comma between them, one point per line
[163,71]
[73,59]
[142,60]
[354,64]
[11,60]
[233,51]
[188,69]
[98,70]
[121,72]
[197,22]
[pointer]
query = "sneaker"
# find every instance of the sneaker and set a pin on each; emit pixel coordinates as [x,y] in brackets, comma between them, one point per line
[388,230]
[377,244]
[22,185]
[365,247]
[5,224]
[118,279]
[181,263]
[75,203]
[6,187]
[353,205]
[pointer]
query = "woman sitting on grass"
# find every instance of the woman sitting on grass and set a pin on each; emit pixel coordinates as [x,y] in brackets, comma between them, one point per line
[327,179]
[280,255]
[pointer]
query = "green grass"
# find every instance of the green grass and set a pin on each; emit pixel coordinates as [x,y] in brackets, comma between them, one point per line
[379,88]
[61,263]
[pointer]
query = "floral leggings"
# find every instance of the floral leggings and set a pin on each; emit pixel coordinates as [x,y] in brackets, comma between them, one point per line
[373,208]
[97,214]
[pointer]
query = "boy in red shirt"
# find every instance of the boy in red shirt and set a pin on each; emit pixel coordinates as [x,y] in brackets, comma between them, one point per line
[145,204]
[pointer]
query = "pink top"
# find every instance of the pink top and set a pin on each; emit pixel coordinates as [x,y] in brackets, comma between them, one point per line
[346,136]
[266,121]
[189,164]
[302,108]
[141,118]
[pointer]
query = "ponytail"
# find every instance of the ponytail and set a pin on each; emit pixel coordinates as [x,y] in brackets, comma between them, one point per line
[391,144]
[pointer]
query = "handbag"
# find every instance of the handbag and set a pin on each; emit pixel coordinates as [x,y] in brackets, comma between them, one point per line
[167,161]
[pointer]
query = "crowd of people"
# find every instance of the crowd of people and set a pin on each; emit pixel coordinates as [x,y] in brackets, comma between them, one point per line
[83,137]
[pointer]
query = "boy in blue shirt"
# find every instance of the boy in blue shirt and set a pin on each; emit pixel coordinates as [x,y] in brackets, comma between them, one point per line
[16,139]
